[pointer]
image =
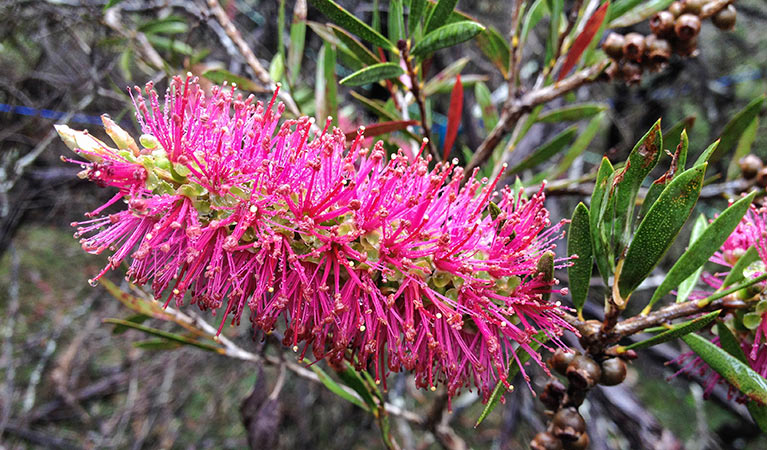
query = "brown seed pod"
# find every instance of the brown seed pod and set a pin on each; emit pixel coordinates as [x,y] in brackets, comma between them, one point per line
[613,45]
[662,23]
[725,19]
[581,444]
[545,441]
[631,73]
[658,51]
[583,372]
[552,394]
[693,6]
[633,46]
[687,26]
[761,178]
[676,9]
[686,48]
[568,425]
[613,372]
[560,360]
[750,165]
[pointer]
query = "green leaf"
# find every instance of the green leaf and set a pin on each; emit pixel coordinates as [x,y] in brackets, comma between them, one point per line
[658,230]
[440,14]
[167,25]
[579,146]
[704,247]
[678,160]
[325,95]
[446,36]
[674,133]
[496,48]
[706,155]
[277,68]
[545,267]
[218,76]
[111,3]
[555,7]
[640,163]
[500,389]
[533,16]
[546,151]
[376,106]
[445,76]
[736,273]
[165,335]
[674,332]
[629,12]
[598,232]
[686,286]
[744,148]
[572,112]
[136,318]
[156,344]
[371,74]
[336,388]
[579,243]
[347,21]
[170,45]
[281,30]
[396,21]
[736,126]
[486,106]
[354,45]
[417,8]
[737,373]
[297,41]
[354,380]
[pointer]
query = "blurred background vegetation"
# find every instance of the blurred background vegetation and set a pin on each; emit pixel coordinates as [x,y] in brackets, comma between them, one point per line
[66,381]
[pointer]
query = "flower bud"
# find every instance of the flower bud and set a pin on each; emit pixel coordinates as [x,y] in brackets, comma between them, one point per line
[583,372]
[613,45]
[725,19]
[676,9]
[750,165]
[552,394]
[82,143]
[687,26]
[633,46]
[561,359]
[693,6]
[662,23]
[761,178]
[545,441]
[581,444]
[631,73]
[568,424]
[120,137]
[613,372]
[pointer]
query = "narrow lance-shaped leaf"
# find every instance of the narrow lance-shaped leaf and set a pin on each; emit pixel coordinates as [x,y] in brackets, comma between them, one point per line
[347,21]
[417,8]
[640,163]
[686,286]
[736,273]
[371,74]
[396,21]
[744,148]
[701,250]
[579,243]
[572,113]
[555,8]
[730,344]
[486,106]
[584,39]
[445,75]
[453,117]
[500,388]
[336,388]
[439,14]
[355,46]
[658,230]
[737,373]
[496,48]
[704,157]
[165,335]
[446,36]
[674,133]
[678,160]
[546,151]
[297,40]
[674,332]
[598,241]
[736,126]
[533,16]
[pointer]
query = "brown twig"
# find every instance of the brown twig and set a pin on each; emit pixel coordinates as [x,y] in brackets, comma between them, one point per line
[513,109]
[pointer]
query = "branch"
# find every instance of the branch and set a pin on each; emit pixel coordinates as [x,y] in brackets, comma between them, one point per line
[514,108]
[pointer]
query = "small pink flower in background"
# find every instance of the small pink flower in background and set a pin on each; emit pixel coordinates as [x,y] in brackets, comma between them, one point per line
[750,232]
[387,264]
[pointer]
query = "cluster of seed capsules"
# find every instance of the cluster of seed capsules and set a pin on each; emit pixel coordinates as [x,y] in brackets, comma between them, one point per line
[752,167]
[673,31]
[567,429]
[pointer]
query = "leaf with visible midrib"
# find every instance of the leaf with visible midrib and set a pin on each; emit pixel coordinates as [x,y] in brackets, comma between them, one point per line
[659,229]
[446,36]
[579,243]
[371,74]
[347,21]
[675,332]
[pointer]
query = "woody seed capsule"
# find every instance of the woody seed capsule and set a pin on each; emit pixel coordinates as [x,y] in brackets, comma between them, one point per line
[693,6]
[545,441]
[662,23]
[658,50]
[725,19]
[583,372]
[633,46]
[750,165]
[676,9]
[687,26]
[560,360]
[581,444]
[613,45]
[568,424]
[613,372]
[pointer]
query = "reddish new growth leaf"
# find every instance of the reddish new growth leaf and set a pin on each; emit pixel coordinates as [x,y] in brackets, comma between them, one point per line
[584,39]
[453,116]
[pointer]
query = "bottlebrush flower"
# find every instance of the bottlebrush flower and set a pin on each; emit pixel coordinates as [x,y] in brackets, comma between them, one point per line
[752,327]
[388,265]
